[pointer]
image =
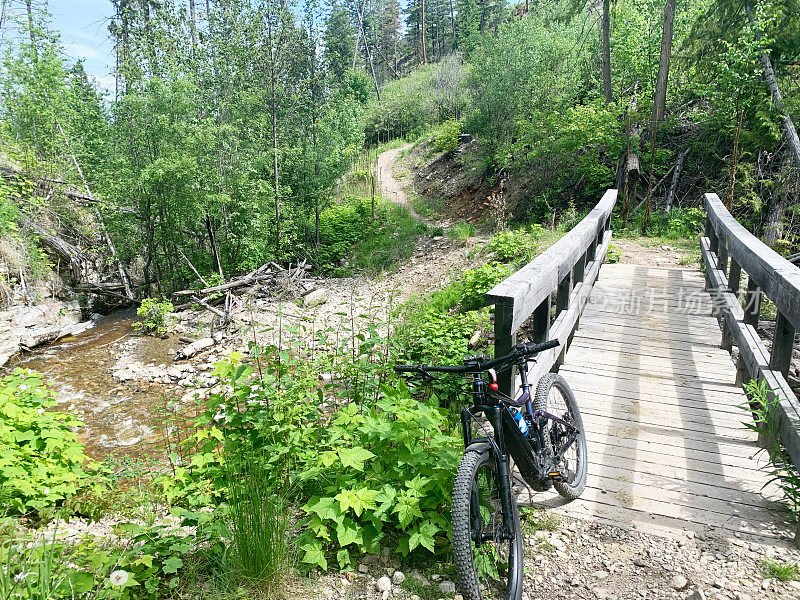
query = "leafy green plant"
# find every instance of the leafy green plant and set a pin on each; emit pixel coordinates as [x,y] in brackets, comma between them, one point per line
[476,282]
[384,472]
[517,246]
[153,314]
[763,406]
[41,461]
[360,234]
[785,571]
[614,254]
[461,231]
[144,566]
[445,138]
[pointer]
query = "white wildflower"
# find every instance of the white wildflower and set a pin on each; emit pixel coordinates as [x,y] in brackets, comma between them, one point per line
[118,577]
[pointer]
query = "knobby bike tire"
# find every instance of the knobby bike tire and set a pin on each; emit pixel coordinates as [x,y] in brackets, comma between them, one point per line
[471,583]
[574,488]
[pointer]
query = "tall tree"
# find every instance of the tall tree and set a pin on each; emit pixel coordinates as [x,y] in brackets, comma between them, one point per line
[660,100]
[607,50]
[339,41]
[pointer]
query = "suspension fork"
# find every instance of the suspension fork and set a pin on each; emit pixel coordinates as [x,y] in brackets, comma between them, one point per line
[503,474]
[522,367]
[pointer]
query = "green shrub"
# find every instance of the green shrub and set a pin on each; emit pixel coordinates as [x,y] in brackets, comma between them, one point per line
[517,246]
[41,461]
[614,254]
[153,314]
[476,282]
[384,473]
[461,231]
[763,406]
[446,137]
[352,233]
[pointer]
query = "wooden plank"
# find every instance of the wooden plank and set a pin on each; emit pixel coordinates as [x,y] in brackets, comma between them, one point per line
[566,321]
[782,346]
[730,472]
[659,518]
[688,417]
[672,398]
[645,507]
[622,427]
[621,381]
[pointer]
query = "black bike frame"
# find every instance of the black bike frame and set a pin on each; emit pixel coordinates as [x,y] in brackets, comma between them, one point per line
[496,444]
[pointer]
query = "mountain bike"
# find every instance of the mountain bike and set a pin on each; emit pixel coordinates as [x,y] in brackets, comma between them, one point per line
[544,437]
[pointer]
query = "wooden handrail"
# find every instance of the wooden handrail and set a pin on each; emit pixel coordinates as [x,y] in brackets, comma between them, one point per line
[728,249]
[567,269]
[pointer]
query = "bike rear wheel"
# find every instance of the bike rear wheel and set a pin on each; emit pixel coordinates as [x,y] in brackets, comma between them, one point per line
[554,395]
[488,567]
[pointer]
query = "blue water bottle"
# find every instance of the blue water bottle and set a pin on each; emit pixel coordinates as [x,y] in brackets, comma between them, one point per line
[520,419]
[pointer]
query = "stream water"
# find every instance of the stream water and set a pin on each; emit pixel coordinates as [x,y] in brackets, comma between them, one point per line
[123,419]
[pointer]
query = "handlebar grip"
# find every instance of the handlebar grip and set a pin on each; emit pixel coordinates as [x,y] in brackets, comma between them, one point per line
[534,348]
[406,368]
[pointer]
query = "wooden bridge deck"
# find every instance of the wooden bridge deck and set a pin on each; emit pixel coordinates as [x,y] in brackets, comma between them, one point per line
[667,448]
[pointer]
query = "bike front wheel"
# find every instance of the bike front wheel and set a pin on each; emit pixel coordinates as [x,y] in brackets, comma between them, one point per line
[554,396]
[487,542]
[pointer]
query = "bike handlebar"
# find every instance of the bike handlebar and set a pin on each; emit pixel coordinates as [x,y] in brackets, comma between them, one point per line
[518,351]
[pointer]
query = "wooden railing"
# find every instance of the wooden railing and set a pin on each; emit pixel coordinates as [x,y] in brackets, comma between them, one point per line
[728,249]
[567,269]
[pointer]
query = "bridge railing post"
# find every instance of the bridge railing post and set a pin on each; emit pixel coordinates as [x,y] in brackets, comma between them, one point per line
[566,270]
[729,251]
[504,340]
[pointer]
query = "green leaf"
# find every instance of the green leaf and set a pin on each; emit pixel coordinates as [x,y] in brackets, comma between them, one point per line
[348,533]
[406,509]
[355,457]
[343,558]
[313,555]
[172,564]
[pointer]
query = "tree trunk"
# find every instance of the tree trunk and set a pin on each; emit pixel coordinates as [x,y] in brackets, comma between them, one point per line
[663,62]
[729,198]
[676,177]
[789,130]
[629,162]
[773,228]
[64,249]
[29,8]
[274,107]
[424,51]
[606,50]
[453,20]
[193,24]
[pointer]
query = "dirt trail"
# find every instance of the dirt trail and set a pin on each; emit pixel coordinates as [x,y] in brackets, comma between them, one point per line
[393,188]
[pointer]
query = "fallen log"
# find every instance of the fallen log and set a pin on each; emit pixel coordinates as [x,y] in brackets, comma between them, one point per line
[676,177]
[72,254]
[194,348]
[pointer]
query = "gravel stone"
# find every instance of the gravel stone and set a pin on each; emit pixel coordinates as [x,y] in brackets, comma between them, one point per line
[384,584]
[678,582]
[447,587]
[398,577]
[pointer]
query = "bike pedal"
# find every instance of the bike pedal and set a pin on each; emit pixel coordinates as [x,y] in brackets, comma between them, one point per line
[555,475]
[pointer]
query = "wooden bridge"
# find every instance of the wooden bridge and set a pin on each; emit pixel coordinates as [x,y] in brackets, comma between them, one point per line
[647,351]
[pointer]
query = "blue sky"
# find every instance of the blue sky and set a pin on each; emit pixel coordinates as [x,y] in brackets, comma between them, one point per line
[83,25]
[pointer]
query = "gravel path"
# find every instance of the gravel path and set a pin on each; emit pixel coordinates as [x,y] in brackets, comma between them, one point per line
[392,188]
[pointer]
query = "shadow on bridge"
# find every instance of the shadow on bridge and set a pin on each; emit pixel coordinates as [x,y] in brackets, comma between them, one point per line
[667,448]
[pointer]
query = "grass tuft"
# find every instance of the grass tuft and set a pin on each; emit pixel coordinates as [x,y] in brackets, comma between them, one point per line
[260,554]
[774,569]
